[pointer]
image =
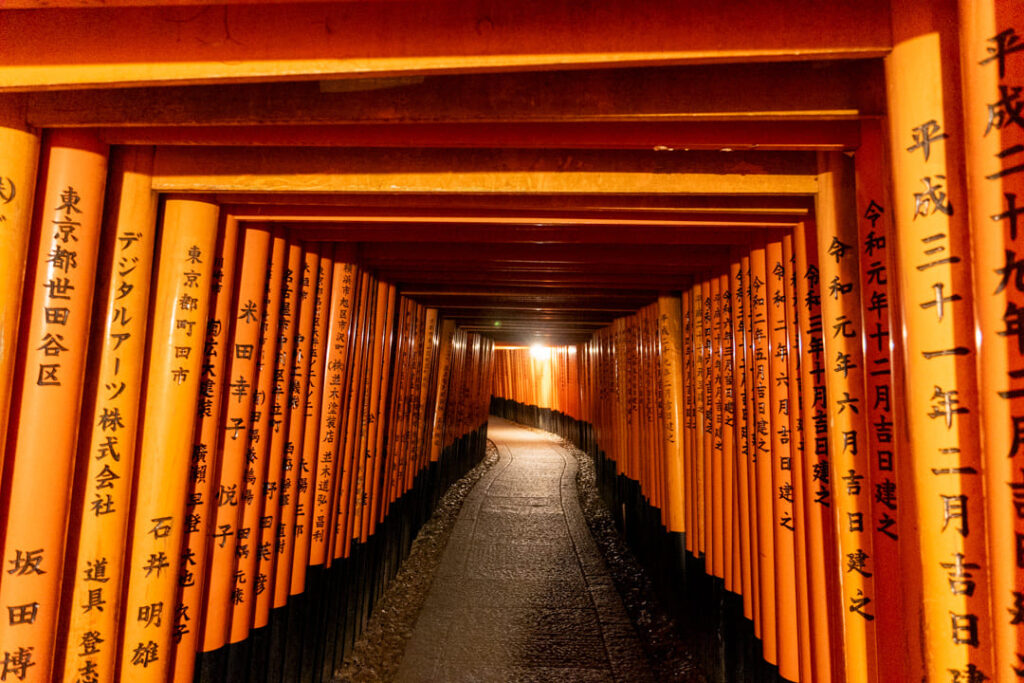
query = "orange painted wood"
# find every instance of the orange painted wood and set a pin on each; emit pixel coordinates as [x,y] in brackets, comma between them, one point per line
[330,430]
[730,533]
[762,463]
[294,474]
[671,368]
[781,394]
[716,491]
[398,39]
[751,458]
[875,247]
[248,581]
[314,405]
[204,466]
[107,439]
[816,474]
[387,298]
[991,140]
[181,305]
[246,318]
[700,436]
[19,154]
[276,492]
[741,383]
[798,446]
[441,397]
[848,427]
[47,393]
[931,211]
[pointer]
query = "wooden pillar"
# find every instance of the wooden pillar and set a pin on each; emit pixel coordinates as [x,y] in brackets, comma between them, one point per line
[798,446]
[43,430]
[314,408]
[763,423]
[714,491]
[993,73]
[278,488]
[203,469]
[292,485]
[930,231]
[240,376]
[844,377]
[819,530]
[741,384]
[180,308]
[19,156]
[248,581]
[729,537]
[882,447]
[780,389]
[107,440]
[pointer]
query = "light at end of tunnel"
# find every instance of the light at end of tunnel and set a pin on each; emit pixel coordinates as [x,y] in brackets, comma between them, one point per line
[540,351]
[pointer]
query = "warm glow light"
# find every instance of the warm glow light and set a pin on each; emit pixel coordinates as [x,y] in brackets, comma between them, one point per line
[540,351]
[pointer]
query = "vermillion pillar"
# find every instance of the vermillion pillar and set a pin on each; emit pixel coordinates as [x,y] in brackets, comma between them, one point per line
[45,404]
[107,443]
[180,311]
[204,464]
[844,377]
[993,73]
[818,528]
[781,462]
[881,445]
[930,229]
[19,155]
[240,375]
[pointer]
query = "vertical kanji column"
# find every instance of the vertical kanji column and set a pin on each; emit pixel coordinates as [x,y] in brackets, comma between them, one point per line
[881,445]
[297,397]
[930,231]
[204,467]
[844,378]
[796,465]
[780,388]
[46,399]
[246,316]
[248,580]
[741,386]
[108,437]
[993,78]
[180,309]
[819,530]
[762,456]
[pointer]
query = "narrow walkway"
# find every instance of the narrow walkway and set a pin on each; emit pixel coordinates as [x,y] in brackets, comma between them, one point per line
[522,593]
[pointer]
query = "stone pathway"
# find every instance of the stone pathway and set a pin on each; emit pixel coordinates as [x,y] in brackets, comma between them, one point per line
[522,593]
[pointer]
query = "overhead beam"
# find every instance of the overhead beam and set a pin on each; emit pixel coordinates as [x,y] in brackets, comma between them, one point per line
[589,256]
[765,135]
[500,204]
[762,93]
[47,49]
[696,233]
[275,169]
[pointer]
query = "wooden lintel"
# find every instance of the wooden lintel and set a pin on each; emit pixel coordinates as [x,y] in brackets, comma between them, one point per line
[274,169]
[695,233]
[48,49]
[497,204]
[780,94]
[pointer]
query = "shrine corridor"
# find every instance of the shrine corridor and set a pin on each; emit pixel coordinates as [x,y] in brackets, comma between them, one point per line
[269,267]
